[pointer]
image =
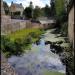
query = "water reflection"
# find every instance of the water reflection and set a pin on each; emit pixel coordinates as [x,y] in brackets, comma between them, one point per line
[37,60]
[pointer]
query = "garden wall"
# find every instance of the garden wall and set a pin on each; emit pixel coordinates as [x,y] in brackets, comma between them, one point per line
[12,25]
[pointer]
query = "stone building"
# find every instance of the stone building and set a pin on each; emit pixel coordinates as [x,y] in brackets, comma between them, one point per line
[16,8]
[2,9]
[4,19]
[71,25]
[71,35]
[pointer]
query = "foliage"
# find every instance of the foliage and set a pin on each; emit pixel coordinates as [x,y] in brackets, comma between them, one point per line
[27,12]
[24,33]
[43,11]
[52,73]
[60,10]
[6,8]
[36,12]
[64,29]
[53,12]
[61,16]
[15,47]
[59,6]
[7,45]
[18,46]
[47,11]
[31,5]
[20,43]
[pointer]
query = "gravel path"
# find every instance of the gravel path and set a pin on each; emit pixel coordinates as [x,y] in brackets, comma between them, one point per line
[6,69]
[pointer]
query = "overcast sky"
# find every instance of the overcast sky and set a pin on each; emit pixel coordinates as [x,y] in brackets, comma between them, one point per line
[25,3]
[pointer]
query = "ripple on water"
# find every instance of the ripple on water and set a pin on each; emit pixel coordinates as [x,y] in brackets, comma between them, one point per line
[23,71]
[33,62]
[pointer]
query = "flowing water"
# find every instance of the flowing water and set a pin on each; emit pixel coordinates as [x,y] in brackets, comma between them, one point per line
[37,60]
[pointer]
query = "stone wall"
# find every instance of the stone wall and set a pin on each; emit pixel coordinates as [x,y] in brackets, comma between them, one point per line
[2,9]
[12,25]
[71,25]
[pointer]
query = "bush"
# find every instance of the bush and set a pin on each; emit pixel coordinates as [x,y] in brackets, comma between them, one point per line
[27,40]
[18,46]
[11,47]
[64,29]
[7,46]
[4,42]
[33,35]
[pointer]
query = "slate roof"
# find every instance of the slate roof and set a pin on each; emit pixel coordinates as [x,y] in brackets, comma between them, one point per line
[17,5]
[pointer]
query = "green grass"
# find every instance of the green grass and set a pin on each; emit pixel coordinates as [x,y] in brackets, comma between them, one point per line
[16,43]
[23,33]
[52,73]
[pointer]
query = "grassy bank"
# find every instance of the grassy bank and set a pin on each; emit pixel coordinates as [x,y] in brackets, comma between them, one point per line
[24,33]
[16,43]
[53,73]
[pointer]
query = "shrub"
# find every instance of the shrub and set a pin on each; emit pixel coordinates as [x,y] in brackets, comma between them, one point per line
[34,35]
[7,46]
[27,40]
[18,46]
[64,29]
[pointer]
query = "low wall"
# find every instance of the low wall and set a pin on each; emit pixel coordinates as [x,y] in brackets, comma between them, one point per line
[14,25]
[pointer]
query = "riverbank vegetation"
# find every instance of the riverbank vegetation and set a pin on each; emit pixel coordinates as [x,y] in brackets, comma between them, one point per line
[53,73]
[61,15]
[16,43]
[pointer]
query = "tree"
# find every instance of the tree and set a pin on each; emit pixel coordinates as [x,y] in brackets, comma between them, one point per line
[27,12]
[42,11]
[6,8]
[37,12]
[61,13]
[31,6]
[52,3]
[47,11]
[59,6]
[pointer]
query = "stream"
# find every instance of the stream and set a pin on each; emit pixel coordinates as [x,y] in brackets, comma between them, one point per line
[37,60]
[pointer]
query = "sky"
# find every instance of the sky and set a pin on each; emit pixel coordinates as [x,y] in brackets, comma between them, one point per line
[25,3]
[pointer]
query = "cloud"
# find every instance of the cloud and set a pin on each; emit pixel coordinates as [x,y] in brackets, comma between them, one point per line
[25,3]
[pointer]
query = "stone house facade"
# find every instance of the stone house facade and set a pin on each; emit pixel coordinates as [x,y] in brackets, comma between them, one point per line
[16,8]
